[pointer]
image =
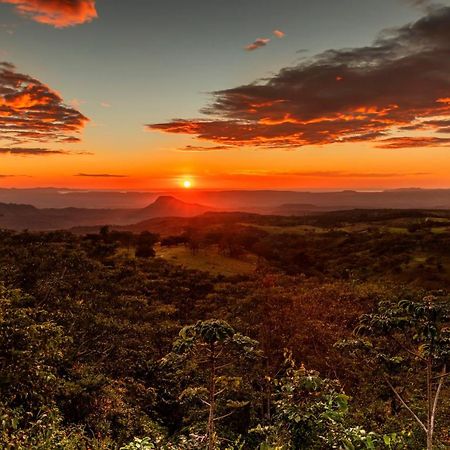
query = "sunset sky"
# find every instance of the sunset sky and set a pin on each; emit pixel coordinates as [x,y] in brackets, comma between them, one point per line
[147,94]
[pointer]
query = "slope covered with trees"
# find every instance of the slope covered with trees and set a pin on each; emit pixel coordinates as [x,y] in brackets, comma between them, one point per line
[104,345]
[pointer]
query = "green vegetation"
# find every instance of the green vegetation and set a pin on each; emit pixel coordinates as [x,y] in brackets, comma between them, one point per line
[208,260]
[264,333]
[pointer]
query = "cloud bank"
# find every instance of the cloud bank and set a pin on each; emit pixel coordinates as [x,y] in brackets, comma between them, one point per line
[31,111]
[58,13]
[399,84]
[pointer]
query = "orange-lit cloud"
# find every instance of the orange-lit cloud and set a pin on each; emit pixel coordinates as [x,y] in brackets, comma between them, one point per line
[279,34]
[31,111]
[400,82]
[258,43]
[58,13]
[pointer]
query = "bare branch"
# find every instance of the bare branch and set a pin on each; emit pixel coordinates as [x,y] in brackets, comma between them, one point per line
[436,398]
[219,392]
[443,375]
[406,406]
[225,415]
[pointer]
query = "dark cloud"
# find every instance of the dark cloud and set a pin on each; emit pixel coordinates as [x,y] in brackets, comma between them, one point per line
[358,94]
[411,142]
[100,175]
[200,148]
[22,151]
[31,111]
[58,13]
[261,42]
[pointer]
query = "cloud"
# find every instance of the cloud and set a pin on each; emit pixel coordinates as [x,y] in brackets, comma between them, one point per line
[360,94]
[200,148]
[261,42]
[7,28]
[31,111]
[279,34]
[411,142]
[419,3]
[330,174]
[23,151]
[100,175]
[58,13]
[76,103]
[105,105]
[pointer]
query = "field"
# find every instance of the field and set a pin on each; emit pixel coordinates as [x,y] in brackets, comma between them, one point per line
[207,260]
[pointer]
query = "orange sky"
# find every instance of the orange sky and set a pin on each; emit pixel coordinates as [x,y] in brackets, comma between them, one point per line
[106,96]
[334,166]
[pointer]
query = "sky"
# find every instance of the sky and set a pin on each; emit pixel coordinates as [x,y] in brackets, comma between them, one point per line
[226,94]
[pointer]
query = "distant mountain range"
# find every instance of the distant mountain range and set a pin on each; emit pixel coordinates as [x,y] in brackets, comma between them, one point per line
[19,217]
[262,200]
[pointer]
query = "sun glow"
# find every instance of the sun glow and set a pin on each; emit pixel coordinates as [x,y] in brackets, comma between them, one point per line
[187,184]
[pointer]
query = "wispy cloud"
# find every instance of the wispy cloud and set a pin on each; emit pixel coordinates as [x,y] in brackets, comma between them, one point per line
[76,103]
[100,175]
[8,28]
[23,151]
[258,43]
[329,174]
[201,148]
[361,94]
[411,142]
[58,13]
[279,34]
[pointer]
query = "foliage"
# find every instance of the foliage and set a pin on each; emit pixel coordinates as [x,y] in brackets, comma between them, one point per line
[408,343]
[87,330]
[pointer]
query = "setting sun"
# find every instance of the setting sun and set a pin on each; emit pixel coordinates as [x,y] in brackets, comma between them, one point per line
[187,184]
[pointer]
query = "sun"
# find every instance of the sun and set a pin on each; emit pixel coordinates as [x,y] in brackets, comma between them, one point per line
[187,184]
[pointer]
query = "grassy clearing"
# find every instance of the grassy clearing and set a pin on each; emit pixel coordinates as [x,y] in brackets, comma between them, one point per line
[299,229]
[207,260]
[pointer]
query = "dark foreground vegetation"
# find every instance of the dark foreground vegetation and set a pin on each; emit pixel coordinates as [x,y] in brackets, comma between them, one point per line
[339,338]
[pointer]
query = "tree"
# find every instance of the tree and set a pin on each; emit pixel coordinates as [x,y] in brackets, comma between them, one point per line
[409,343]
[145,243]
[212,348]
[192,239]
[31,349]
[310,412]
